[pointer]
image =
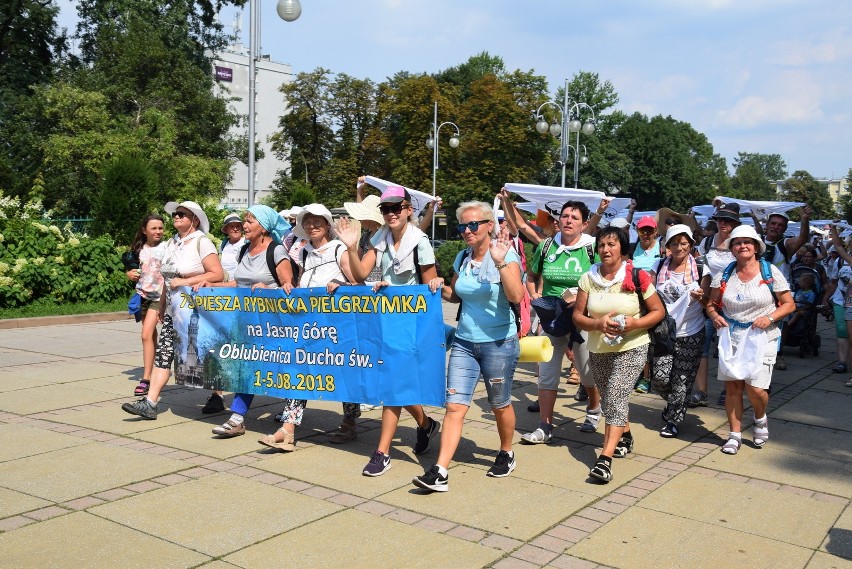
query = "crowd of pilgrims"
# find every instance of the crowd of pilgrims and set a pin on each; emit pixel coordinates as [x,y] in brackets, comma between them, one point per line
[635,303]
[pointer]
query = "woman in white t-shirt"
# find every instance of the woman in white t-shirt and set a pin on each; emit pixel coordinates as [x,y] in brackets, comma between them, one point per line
[232,229]
[683,285]
[190,258]
[747,301]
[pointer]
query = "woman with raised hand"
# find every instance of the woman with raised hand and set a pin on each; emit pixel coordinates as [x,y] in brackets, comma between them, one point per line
[753,297]
[405,257]
[684,286]
[256,268]
[190,258]
[323,263]
[608,307]
[486,279]
[557,266]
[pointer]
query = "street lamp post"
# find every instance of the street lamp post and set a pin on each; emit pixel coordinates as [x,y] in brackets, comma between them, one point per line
[288,10]
[569,121]
[432,142]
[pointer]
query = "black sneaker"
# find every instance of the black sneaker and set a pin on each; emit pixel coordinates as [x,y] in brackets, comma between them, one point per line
[669,431]
[142,408]
[424,436]
[697,399]
[432,480]
[721,401]
[534,407]
[215,404]
[503,465]
[581,394]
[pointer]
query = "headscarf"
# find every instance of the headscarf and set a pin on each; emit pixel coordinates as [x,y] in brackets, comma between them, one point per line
[269,219]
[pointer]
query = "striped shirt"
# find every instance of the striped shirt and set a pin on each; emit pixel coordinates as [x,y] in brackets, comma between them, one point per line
[746,301]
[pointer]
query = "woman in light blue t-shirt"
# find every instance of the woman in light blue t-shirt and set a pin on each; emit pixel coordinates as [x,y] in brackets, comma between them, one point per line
[487,279]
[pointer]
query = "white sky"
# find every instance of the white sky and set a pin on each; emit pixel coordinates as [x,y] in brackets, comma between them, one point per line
[769,76]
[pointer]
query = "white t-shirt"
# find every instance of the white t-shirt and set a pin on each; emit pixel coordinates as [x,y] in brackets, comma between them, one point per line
[746,301]
[673,289]
[716,259]
[230,252]
[184,258]
[842,276]
[321,266]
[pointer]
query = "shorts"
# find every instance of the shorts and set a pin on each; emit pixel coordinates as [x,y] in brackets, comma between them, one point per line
[840,321]
[494,361]
[150,305]
[550,372]
[764,376]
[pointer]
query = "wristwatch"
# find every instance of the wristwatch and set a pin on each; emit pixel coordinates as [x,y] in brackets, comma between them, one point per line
[771,319]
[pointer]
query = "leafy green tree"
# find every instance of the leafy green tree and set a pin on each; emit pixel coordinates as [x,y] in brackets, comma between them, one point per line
[755,175]
[802,187]
[129,192]
[844,203]
[672,165]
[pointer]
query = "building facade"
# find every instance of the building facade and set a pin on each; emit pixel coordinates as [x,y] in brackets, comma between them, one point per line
[231,72]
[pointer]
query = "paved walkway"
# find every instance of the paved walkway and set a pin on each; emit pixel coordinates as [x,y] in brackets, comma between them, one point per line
[82,484]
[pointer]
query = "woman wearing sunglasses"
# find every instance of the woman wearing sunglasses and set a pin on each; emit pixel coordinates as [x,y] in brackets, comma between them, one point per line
[190,258]
[405,257]
[487,278]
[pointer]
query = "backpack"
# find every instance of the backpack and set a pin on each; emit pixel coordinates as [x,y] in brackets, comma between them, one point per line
[765,275]
[664,334]
[270,259]
[769,255]
[521,309]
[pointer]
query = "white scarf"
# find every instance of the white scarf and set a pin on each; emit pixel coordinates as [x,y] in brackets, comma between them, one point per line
[595,275]
[402,258]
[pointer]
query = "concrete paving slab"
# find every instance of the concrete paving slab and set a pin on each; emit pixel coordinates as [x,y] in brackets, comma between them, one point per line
[81,540]
[823,408]
[340,466]
[742,507]
[567,467]
[641,538]
[834,382]
[118,385]
[822,560]
[196,436]
[109,418]
[83,470]
[48,398]
[514,514]
[182,513]
[839,539]
[13,358]
[12,503]
[811,440]
[331,542]
[19,441]
[784,467]
[52,373]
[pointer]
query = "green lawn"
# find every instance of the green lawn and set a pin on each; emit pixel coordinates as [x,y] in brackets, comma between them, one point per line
[50,309]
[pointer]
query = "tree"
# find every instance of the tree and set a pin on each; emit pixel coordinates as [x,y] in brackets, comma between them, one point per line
[844,203]
[755,175]
[672,165]
[129,192]
[802,187]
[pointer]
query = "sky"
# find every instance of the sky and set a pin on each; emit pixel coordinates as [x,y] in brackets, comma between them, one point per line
[767,76]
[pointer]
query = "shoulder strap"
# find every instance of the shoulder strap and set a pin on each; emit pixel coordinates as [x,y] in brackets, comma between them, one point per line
[270,262]
[783,249]
[590,251]
[707,243]
[766,275]
[464,254]
[243,251]
[643,309]
[544,249]
[417,264]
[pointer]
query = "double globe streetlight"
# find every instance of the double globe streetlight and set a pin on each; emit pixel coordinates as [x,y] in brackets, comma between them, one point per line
[569,122]
[432,142]
[289,11]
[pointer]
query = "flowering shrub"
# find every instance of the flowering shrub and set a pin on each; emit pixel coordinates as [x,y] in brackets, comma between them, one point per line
[40,260]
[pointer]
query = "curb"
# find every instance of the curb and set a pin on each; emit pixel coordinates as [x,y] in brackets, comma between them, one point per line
[12,323]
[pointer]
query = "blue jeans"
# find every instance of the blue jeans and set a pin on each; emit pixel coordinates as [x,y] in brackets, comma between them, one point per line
[494,361]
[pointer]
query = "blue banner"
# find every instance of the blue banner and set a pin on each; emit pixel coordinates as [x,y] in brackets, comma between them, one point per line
[354,345]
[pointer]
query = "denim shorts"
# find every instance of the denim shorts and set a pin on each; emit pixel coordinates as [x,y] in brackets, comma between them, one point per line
[494,361]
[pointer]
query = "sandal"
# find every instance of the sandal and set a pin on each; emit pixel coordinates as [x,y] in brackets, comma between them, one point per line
[601,471]
[732,445]
[287,445]
[761,432]
[345,433]
[623,448]
[142,388]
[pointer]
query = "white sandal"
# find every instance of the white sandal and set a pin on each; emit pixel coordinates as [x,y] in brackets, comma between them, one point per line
[761,432]
[732,445]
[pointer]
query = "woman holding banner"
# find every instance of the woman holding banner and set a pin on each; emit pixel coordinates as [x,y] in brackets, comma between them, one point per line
[405,257]
[487,278]
[257,267]
[323,263]
[190,258]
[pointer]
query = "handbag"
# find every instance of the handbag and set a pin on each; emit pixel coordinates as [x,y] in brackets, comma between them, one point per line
[664,334]
[554,314]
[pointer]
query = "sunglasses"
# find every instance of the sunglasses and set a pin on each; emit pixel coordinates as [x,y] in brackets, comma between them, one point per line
[472,225]
[646,230]
[672,221]
[180,215]
[394,208]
